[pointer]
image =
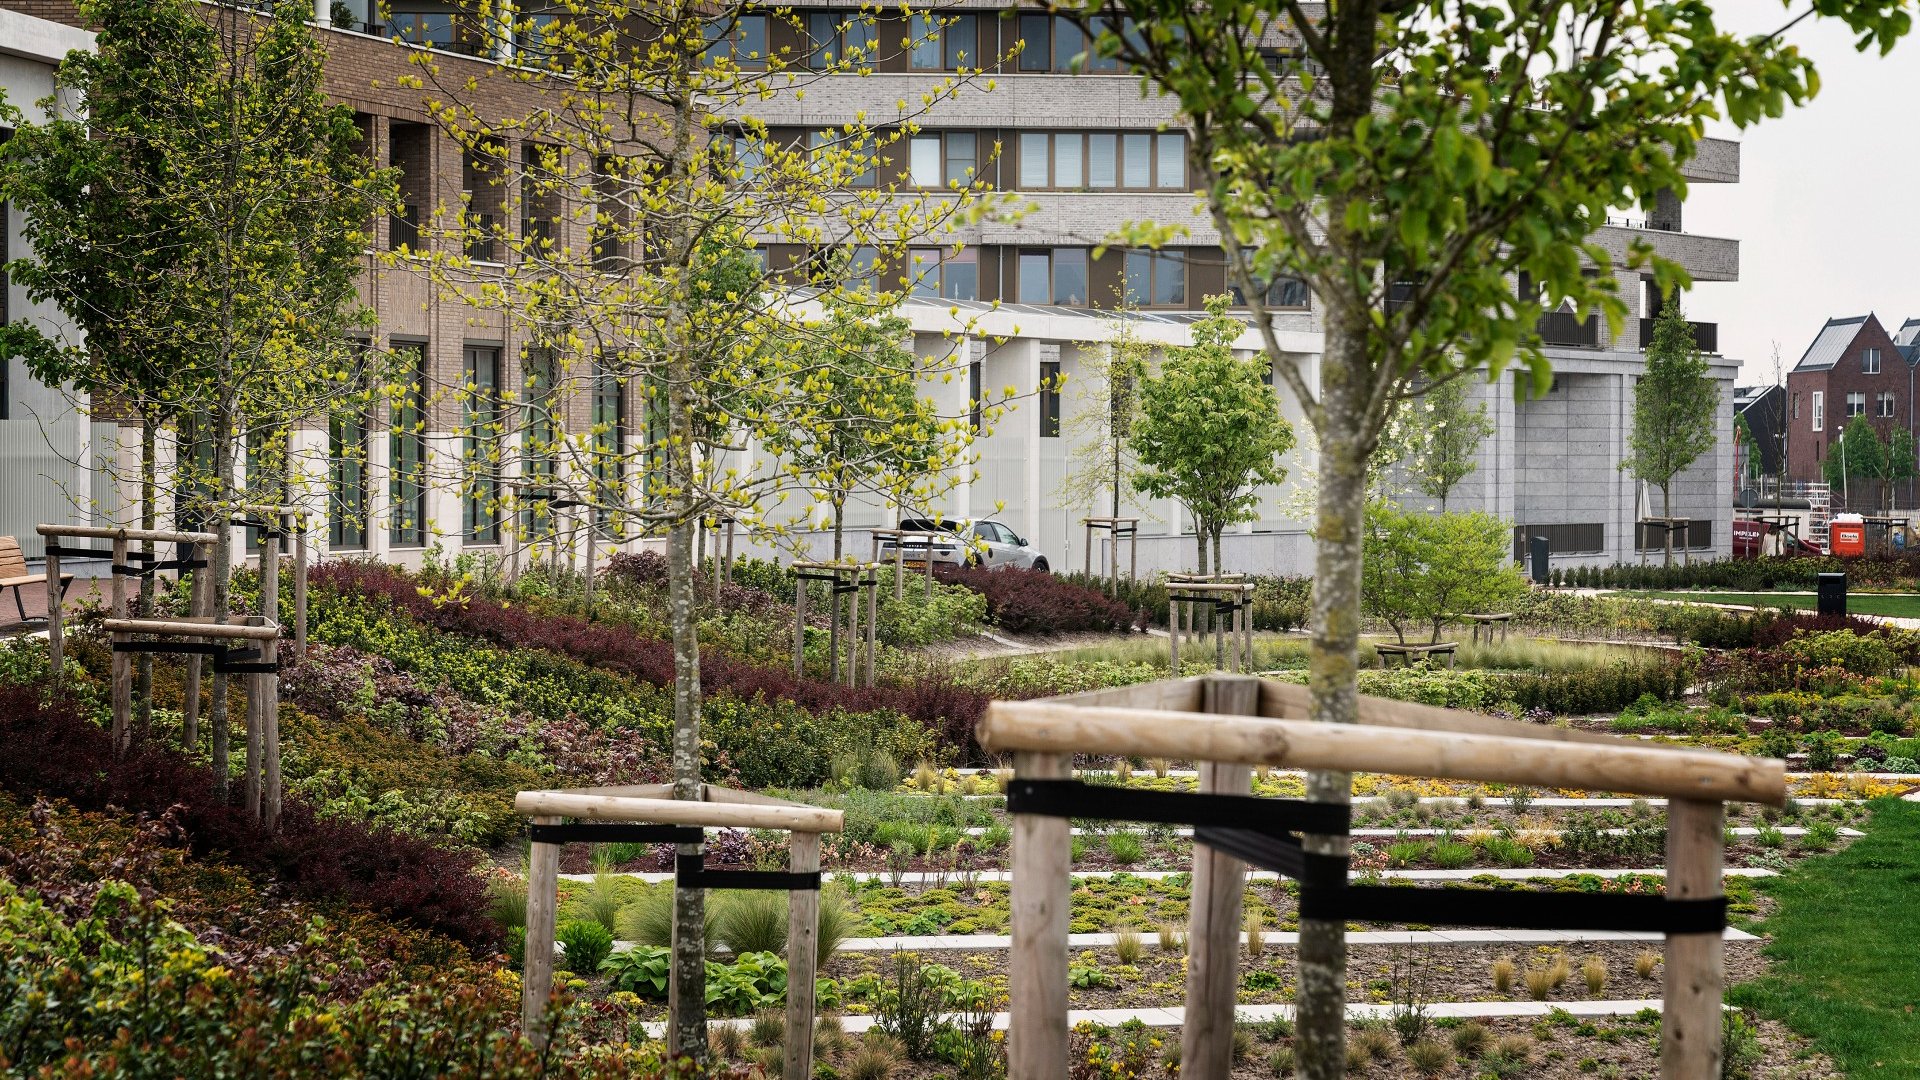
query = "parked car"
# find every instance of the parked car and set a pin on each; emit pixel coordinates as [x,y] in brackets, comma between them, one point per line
[965,543]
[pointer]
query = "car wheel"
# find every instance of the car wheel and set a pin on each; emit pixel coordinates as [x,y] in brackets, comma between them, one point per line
[1041,565]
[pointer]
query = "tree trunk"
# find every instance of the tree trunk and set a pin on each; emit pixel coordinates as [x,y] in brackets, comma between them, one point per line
[1333,659]
[1200,546]
[1666,512]
[221,560]
[143,669]
[1219,564]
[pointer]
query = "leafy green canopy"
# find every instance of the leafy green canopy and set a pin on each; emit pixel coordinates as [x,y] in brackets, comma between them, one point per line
[1675,405]
[1424,568]
[1210,430]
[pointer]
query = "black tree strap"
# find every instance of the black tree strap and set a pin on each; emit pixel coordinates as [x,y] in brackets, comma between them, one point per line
[690,872]
[225,660]
[1280,854]
[615,832]
[1221,605]
[1515,909]
[138,564]
[1325,893]
[78,553]
[1246,813]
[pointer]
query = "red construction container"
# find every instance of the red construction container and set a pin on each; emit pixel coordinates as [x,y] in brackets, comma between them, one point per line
[1849,535]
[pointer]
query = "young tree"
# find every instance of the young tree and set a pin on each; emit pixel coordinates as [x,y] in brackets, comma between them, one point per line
[1105,391]
[1210,431]
[1426,568]
[1857,452]
[1900,462]
[638,166]
[207,220]
[1449,432]
[1675,405]
[1411,161]
[874,431]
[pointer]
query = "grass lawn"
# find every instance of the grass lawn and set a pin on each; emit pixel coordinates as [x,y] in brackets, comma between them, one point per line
[1843,945]
[1899,605]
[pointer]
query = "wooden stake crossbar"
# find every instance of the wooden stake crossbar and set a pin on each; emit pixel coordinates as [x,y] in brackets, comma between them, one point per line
[861,581]
[1228,595]
[123,566]
[1118,528]
[609,814]
[1227,723]
[902,540]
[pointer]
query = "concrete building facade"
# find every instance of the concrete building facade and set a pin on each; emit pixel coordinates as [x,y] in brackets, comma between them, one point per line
[1086,150]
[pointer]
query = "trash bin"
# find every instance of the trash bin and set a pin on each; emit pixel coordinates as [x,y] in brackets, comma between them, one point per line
[1849,535]
[1833,594]
[1541,570]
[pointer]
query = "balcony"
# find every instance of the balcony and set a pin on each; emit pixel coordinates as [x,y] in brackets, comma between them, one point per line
[1562,328]
[1706,335]
[403,229]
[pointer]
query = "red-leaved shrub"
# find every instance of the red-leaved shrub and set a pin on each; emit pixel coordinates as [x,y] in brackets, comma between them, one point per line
[947,709]
[1036,602]
[57,752]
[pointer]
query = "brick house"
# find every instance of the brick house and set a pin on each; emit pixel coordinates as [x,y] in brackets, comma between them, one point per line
[1852,368]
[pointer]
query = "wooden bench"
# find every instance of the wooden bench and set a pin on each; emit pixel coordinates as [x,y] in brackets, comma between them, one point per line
[1409,653]
[1488,622]
[14,576]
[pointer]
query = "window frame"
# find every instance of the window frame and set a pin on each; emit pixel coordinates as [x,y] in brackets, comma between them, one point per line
[1887,404]
[935,262]
[1819,410]
[1092,174]
[1050,399]
[407,472]
[1870,361]
[1856,403]
[481,409]
[1154,264]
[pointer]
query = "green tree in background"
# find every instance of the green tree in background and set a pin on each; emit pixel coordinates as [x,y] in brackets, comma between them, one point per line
[1857,452]
[1210,431]
[1675,405]
[1449,433]
[1425,568]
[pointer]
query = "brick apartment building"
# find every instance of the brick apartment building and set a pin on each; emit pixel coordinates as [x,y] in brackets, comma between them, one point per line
[1852,368]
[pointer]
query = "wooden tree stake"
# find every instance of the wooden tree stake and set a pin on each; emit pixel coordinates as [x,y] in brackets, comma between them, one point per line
[1219,883]
[1039,897]
[543,898]
[803,942]
[1690,1037]
[122,662]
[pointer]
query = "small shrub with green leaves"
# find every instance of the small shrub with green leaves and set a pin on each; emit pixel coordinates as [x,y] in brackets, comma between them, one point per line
[643,969]
[1125,848]
[587,943]
[1740,1050]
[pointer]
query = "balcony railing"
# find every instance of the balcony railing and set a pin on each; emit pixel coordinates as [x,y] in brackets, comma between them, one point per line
[1706,335]
[1562,328]
[403,228]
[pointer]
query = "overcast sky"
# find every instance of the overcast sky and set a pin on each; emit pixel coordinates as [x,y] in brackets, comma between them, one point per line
[1825,209]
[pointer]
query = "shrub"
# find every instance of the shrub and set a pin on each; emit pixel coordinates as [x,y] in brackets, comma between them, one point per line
[910,1006]
[1740,1050]
[1126,848]
[1429,1058]
[1860,654]
[54,751]
[1470,1039]
[587,943]
[1033,602]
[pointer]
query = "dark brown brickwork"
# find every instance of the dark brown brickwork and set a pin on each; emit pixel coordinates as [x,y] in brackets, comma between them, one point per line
[1806,447]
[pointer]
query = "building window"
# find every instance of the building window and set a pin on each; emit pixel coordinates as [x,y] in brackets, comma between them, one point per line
[1819,410]
[1156,279]
[741,39]
[1053,276]
[347,449]
[840,44]
[434,29]
[1856,403]
[943,42]
[1796,406]
[946,274]
[609,450]
[407,449]
[942,159]
[1886,403]
[1870,361]
[1050,43]
[481,424]
[1050,399]
[975,371]
[1283,293]
[539,441]
[1076,161]
[855,159]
